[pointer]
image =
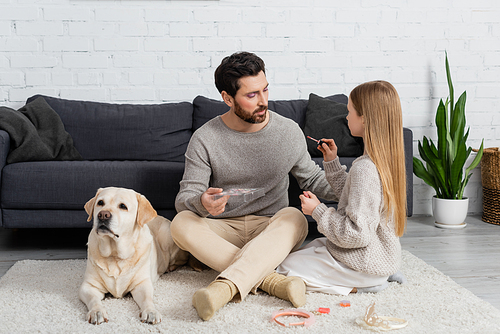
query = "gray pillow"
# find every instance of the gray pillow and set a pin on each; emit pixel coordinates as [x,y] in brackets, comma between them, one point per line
[327,119]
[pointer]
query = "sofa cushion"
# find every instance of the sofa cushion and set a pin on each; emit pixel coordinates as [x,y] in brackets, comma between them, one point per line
[107,131]
[204,109]
[14,218]
[68,185]
[339,98]
[293,109]
[18,218]
[296,109]
[326,118]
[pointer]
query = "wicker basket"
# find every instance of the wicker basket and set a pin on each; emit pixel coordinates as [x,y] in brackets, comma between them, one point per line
[490,178]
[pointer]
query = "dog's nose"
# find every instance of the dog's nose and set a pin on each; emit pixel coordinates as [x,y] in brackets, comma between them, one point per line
[104,215]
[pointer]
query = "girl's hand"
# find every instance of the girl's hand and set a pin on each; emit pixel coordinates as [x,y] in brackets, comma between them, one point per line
[329,149]
[309,202]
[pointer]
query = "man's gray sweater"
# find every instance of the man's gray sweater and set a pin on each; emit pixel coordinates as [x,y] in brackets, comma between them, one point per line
[220,157]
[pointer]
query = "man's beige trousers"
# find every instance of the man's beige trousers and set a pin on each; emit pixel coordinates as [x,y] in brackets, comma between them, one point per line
[243,249]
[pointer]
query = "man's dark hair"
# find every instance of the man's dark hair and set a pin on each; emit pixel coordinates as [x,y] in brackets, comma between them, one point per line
[234,67]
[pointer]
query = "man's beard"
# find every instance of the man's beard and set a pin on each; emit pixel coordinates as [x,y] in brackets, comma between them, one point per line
[252,118]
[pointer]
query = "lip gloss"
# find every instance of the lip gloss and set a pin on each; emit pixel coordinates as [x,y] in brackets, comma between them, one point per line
[320,142]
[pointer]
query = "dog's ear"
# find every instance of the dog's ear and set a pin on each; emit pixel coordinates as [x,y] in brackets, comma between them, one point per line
[145,211]
[89,206]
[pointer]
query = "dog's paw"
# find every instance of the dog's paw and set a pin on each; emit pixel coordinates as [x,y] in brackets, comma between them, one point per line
[97,317]
[150,316]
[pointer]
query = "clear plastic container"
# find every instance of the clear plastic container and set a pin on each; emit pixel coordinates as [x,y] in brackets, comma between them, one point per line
[244,194]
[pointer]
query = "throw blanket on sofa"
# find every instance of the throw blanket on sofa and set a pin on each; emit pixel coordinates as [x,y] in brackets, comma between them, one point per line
[36,134]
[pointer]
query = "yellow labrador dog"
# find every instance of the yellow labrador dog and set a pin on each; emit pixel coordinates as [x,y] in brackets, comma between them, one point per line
[129,247]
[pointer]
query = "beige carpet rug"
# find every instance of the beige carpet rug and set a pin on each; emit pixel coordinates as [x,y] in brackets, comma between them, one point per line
[42,297]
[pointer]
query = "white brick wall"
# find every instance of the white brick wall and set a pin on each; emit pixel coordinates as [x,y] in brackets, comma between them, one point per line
[161,51]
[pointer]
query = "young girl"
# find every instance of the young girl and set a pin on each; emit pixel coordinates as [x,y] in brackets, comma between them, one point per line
[360,251]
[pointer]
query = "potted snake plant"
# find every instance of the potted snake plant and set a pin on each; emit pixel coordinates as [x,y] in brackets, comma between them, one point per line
[445,162]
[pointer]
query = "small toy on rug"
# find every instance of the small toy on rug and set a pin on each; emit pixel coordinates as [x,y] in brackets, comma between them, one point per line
[309,317]
[379,323]
[345,303]
[322,311]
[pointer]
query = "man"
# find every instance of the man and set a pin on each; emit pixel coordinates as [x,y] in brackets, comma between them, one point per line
[247,147]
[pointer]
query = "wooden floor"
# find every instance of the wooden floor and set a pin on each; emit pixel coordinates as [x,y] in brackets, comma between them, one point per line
[470,256]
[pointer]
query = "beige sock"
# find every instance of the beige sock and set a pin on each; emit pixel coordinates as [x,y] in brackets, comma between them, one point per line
[289,288]
[208,300]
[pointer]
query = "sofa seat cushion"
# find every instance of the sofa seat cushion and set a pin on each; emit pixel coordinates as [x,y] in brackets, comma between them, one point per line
[38,218]
[69,185]
[107,131]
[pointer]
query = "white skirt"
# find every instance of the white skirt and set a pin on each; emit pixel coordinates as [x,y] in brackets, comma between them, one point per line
[322,273]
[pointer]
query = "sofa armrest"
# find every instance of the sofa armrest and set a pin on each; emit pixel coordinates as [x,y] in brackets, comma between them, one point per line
[408,142]
[4,148]
[4,151]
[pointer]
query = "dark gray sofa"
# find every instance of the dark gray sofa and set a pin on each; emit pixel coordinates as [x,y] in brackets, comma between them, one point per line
[133,146]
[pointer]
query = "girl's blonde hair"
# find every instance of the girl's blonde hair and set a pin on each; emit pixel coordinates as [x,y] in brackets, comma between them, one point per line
[378,102]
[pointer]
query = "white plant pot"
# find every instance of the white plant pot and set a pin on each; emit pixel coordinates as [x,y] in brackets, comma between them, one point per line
[450,213]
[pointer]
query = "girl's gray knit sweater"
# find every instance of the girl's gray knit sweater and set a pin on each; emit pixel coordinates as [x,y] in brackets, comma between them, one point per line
[220,157]
[359,233]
